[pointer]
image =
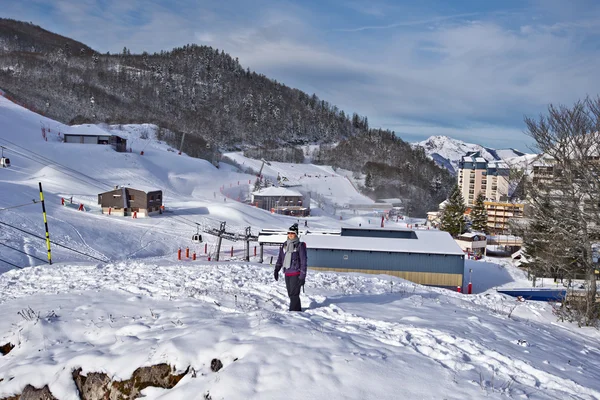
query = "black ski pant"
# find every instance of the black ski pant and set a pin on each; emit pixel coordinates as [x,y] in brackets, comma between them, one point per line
[292,283]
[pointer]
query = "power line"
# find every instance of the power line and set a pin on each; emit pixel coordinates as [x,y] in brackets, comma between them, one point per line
[9,263]
[21,205]
[21,251]
[57,244]
[51,163]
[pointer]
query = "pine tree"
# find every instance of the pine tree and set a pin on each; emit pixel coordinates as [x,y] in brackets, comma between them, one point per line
[369,181]
[479,215]
[452,220]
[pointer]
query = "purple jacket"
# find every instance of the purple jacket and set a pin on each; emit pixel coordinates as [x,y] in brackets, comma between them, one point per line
[298,263]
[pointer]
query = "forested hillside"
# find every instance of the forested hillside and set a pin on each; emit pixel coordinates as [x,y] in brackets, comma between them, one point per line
[393,168]
[206,94]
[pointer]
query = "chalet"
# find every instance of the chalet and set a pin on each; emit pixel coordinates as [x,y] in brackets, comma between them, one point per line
[125,201]
[281,201]
[472,243]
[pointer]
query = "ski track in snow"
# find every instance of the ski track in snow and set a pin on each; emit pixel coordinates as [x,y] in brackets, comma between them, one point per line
[234,290]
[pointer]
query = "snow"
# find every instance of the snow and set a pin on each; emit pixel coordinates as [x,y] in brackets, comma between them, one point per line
[276,191]
[360,336]
[447,152]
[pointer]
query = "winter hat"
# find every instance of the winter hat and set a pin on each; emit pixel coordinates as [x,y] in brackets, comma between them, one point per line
[293,229]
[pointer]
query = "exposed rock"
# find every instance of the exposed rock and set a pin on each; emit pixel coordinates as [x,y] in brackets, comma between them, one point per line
[31,393]
[215,365]
[98,386]
[4,350]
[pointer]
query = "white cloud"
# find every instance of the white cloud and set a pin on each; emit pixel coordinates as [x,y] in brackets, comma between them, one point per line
[438,67]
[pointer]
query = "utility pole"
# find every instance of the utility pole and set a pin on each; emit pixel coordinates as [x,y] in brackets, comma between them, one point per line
[181,145]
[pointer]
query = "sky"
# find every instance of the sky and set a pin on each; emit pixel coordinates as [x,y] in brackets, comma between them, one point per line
[467,69]
[135,305]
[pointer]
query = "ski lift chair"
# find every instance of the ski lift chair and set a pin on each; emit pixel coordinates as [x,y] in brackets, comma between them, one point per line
[197,238]
[4,161]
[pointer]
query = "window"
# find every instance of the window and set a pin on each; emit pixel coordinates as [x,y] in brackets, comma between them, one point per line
[131,197]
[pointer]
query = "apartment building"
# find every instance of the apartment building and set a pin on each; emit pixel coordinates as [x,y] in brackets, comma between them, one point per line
[499,214]
[477,175]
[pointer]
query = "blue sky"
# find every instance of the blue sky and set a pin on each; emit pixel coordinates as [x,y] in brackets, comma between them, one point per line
[469,69]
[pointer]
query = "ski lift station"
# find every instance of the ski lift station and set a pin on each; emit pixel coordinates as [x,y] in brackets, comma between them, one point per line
[427,257]
[118,143]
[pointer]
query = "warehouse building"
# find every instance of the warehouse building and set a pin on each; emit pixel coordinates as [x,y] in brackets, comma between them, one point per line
[427,257]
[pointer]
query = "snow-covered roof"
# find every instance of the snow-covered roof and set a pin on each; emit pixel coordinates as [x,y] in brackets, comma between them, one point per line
[276,191]
[498,165]
[471,234]
[428,242]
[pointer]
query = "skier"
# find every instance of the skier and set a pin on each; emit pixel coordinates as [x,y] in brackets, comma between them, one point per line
[292,258]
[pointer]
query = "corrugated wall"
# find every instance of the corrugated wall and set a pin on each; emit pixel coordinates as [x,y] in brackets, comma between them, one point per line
[426,269]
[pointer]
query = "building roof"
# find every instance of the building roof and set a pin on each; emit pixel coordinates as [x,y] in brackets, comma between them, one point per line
[427,242]
[276,191]
[120,188]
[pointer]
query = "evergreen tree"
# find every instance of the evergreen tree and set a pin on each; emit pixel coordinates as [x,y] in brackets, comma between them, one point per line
[479,215]
[369,181]
[452,220]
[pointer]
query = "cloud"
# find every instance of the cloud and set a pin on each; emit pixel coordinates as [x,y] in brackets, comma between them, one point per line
[407,23]
[469,72]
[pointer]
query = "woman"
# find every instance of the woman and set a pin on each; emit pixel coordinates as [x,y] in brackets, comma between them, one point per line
[292,258]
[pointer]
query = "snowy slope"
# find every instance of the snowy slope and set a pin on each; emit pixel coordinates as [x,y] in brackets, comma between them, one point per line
[361,337]
[447,152]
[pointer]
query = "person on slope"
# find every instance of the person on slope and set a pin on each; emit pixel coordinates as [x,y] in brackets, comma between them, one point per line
[292,258]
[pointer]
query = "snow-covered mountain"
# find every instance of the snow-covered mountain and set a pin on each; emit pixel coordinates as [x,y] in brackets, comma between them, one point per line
[446,151]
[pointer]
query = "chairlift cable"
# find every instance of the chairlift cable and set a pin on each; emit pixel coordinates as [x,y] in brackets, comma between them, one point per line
[21,251]
[9,263]
[34,201]
[57,169]
[53,242]
[46,160]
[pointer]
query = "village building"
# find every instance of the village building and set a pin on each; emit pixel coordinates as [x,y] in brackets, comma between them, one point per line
[281,200]
[126,201]
[472,243]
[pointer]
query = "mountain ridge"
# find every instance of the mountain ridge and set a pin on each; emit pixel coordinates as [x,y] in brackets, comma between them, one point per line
[446,152]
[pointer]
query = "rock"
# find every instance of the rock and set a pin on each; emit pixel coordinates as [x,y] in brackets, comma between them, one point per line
[215,365]
[4,350]
[31,393]
[98,386]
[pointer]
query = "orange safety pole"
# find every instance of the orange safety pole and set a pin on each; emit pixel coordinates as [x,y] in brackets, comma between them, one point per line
[187,252]
[194,256]
[254,251]
[179,254]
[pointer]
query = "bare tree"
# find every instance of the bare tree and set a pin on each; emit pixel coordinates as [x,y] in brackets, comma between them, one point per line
[567,194]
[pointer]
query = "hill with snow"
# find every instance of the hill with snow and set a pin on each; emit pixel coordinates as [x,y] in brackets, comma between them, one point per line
[447,152]
[116,298]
